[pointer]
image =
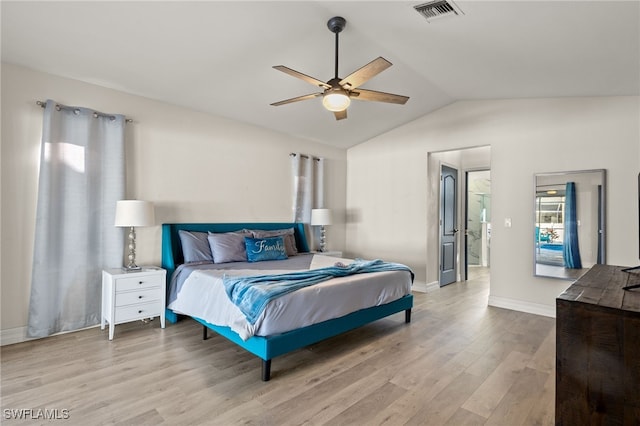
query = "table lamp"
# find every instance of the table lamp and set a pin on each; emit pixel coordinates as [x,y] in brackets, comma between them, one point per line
[129,214]
[321,217]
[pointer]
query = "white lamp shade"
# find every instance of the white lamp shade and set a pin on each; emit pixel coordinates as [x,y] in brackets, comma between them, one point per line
[134,213]
[320,217]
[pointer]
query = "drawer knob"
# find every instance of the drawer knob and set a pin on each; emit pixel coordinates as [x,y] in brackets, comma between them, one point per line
[140,282]
[139,297]
[140,311]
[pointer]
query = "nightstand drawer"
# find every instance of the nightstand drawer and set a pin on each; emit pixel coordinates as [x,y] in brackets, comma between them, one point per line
[139,282]
[141,296]
[143,310]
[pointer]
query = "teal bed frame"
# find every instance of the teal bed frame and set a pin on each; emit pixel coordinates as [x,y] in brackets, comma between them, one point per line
[268,347]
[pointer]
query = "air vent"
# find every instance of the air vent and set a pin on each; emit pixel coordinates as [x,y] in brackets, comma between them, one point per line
[438,9]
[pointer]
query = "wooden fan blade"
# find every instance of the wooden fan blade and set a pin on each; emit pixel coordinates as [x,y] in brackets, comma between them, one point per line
[340,115]
[302,76]
[298,98]
[365,73]
[372,95]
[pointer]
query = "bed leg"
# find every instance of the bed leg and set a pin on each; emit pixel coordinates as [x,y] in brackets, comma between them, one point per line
[266,370]
[204,332]
[407,316]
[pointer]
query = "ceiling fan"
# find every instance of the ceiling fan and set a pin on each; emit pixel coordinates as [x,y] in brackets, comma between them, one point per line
[338,92]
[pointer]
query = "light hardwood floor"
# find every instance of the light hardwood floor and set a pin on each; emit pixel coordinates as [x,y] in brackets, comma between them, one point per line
[459,362]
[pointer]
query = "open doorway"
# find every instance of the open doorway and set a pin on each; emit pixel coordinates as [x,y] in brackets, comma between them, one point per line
[463,160]
[477,235]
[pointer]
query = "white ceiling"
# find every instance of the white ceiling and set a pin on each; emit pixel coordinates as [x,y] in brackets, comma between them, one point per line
[217,56]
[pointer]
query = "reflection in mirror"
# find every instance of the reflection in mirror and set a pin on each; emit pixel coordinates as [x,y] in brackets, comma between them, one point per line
[569,223]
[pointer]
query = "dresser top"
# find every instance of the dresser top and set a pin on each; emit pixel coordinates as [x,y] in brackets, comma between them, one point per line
[602,286]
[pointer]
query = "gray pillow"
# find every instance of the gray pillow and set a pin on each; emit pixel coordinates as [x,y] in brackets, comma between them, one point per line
[195,246]
[288,234]
[228,246]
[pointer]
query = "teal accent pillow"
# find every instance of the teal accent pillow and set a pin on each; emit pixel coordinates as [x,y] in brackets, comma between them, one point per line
[259,249]
[288,234]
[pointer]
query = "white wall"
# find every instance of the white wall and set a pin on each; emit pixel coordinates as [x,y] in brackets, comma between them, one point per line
[390,195]
[195,167]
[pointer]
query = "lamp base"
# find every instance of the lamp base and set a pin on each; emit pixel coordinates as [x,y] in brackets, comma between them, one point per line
[131,268]
[323,239]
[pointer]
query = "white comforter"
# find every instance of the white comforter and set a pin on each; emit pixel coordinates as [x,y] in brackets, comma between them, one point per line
[203,296]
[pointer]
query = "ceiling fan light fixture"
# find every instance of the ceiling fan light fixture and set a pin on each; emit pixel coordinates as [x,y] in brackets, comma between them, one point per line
[336,100]
[337,92]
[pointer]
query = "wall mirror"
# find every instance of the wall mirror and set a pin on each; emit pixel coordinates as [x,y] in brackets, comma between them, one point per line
[569,226]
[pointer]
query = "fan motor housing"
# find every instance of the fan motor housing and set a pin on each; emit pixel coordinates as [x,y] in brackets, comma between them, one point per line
[336,24]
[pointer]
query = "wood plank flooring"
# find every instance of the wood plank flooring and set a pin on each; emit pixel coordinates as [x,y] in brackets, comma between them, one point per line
[459,362]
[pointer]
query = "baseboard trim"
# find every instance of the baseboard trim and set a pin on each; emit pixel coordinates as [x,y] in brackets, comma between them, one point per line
[11,336]
[522,306]
[434,285]
[419,287]
[425,287]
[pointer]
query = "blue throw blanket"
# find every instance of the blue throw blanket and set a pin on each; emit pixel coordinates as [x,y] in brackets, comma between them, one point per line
[252,294]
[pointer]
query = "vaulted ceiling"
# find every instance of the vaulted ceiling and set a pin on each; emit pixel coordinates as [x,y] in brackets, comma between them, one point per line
[217,57]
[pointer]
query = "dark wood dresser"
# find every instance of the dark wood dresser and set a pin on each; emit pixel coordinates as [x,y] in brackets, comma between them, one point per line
[598,349]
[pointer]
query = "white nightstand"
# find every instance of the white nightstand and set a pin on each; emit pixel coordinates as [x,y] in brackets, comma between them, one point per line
[333,253]
[130,296]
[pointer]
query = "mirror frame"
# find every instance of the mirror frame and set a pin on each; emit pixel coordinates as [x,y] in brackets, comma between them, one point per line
[600,223]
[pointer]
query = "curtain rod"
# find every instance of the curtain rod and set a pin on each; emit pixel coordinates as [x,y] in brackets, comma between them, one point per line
[96,114]
[293,154]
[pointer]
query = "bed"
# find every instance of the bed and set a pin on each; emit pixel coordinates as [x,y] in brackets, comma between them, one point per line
[269,339]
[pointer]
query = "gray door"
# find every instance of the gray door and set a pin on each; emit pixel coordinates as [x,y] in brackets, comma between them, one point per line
[448,225]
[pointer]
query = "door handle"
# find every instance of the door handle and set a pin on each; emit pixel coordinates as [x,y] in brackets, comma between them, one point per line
[455,230]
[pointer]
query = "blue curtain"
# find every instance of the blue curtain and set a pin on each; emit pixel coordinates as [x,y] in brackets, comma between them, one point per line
[82,173]
[571,250]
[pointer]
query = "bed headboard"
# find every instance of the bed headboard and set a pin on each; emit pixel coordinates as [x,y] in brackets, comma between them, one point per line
[172,249]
